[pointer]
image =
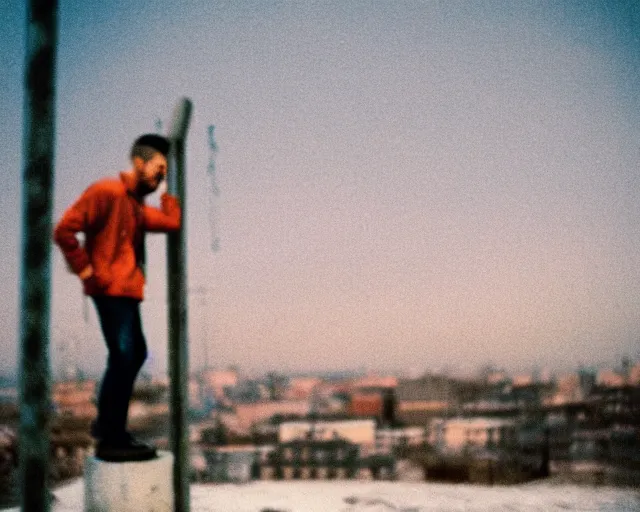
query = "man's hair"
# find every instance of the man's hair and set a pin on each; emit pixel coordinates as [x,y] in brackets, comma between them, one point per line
[148,145]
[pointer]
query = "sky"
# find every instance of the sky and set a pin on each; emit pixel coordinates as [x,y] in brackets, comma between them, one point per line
[403,185]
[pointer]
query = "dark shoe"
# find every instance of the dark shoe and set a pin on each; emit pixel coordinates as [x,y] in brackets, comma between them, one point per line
[96,433]
[124,450]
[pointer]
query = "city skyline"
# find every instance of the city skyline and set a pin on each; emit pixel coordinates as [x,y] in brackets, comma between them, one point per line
[402,184]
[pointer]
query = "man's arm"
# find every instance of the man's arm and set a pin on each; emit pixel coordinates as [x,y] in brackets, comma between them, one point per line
[84,215]
[164,219]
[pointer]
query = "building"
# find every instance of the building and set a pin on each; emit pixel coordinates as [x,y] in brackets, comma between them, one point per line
[195,393]
[522,380]
[419,412]
[300,388]
[359,432]
[529,395]
[419,400]
[217,383]
[248,415]
[458,435]
[365,404]
[567,390]
[140,412]
[609,405]
[610,378]
[493,376]
[75,398]
[374,381]
[389,439]
[230,463]
[323,459]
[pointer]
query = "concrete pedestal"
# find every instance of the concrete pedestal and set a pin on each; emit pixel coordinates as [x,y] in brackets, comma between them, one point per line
[129,486]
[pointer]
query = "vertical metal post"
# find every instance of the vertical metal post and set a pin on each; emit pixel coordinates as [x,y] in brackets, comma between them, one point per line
[37,193]
[177,300]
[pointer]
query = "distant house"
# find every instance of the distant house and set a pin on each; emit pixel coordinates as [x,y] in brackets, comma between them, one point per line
[248,391]
[419,400]
[610,378]
[616,405]
[323,459]
[388,439]
[75,398]
[306,459]
[373,381]
[374,402]
[360,432]
[230,463]
[365,405]
[302,387]
[457,435]
[567,390]
[219,381]
[250,414]
[195,394]
[298,459]
[530,395]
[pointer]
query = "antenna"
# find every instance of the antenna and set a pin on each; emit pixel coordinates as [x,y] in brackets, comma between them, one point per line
[214,191]
[203,293]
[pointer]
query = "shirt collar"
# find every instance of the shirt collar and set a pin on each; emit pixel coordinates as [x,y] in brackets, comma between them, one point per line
[128,182]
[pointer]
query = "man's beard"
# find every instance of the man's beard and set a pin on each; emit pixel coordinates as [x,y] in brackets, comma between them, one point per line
[145,188]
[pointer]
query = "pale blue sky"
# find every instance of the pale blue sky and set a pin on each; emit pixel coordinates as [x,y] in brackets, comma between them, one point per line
[404,185]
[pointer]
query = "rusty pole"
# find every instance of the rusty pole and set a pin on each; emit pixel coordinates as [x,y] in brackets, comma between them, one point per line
[177,300]
[37,193]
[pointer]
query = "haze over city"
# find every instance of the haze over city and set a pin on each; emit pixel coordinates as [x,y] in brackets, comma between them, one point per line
[403,185]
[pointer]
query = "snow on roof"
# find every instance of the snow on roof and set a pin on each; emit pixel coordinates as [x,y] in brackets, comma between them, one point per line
[377,496]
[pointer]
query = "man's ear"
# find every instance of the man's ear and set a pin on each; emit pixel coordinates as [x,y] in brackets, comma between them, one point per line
[138,163]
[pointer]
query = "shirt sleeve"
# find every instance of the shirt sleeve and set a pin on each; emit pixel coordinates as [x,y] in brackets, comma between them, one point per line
[86,215]
[164,219]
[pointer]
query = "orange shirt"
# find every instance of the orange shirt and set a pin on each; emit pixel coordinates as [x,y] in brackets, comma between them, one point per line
[113,221]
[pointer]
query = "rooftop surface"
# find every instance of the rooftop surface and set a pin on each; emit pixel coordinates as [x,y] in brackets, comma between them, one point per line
[358,496]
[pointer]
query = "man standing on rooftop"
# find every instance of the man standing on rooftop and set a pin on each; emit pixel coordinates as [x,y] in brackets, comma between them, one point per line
[114,218]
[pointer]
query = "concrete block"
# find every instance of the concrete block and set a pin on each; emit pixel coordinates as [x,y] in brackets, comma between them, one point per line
[129,486]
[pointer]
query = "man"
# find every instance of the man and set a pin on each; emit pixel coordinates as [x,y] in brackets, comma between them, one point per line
[113,217]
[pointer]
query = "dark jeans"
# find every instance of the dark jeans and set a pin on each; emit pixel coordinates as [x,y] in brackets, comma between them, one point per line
[122,330]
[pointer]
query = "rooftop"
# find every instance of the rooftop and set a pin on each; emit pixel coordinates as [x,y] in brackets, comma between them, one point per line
[367,496]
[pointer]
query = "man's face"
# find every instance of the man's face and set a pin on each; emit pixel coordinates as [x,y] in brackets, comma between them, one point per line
[151,173]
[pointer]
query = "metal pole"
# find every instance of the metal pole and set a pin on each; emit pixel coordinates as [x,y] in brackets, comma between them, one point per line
[177,299]
[37,193]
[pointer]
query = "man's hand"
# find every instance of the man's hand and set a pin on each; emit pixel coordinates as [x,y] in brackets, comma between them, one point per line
[86,273]
[93,283]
